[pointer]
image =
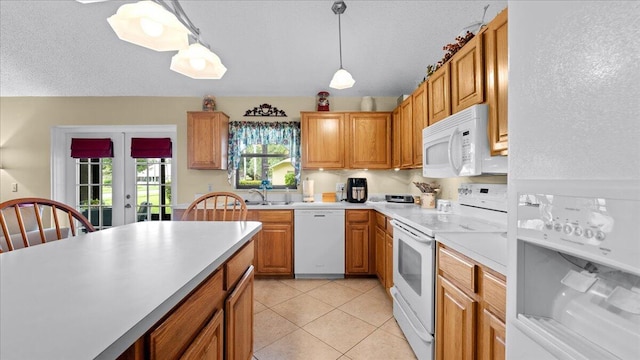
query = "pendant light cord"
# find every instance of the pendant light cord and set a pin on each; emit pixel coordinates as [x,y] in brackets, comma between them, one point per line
[340,39]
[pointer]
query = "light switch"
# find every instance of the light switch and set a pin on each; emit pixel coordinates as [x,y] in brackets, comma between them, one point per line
[14,187]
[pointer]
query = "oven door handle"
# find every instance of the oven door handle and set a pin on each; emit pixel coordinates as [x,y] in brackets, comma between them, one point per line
[419,329]
[418,236]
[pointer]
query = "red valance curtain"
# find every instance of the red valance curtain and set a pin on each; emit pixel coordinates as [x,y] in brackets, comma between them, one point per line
[91,148]
[150,148]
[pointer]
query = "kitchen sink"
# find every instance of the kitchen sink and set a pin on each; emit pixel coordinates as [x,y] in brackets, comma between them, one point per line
[268,203]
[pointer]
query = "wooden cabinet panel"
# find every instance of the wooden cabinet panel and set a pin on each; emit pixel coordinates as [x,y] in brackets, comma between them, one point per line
[380,259]
[439,94]
[497,82]
[406,137]
[358,255]
[274,243]
[209,345]
[322,142]
[174,335]
[369,141]
[467,75]
[456,267]
[455,323]
[239,319]
[420,117]
[493,341]
[396,143]
[494,293]
[207,140]
[236,267]
[388,267]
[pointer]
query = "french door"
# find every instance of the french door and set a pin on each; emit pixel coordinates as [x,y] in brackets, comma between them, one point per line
[117,190]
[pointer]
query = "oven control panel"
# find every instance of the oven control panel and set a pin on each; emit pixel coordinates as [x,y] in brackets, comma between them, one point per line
[600,227]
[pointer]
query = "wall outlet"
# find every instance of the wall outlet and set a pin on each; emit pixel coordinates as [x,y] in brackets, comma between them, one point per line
[14,187]
[340,187]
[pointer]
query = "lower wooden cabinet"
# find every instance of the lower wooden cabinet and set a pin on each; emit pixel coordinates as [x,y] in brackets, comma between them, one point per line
[358,257]
[209,344]
[274,243]
[388,259]
[470,308]
[239,319]
[384,250]
[380,260]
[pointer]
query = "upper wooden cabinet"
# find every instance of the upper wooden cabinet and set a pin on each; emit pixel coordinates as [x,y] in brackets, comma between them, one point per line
[419,110]
[369,140]
[467,75]
[438,86]
[497,73]
[406,131]
[339,140]
[207,140]
[322,140]
[396,143]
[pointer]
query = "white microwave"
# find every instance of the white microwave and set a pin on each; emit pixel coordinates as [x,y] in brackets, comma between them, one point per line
[458,146]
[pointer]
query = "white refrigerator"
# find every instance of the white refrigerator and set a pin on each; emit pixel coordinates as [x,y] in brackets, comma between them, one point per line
[574,107]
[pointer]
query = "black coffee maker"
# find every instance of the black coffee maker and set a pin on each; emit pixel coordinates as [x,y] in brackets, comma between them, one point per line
[356,190]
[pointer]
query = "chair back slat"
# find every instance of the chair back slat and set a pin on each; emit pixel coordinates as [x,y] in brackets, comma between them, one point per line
[18,220]
[217,206]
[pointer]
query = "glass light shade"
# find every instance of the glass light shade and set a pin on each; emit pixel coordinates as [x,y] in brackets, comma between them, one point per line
[148,24]
[342,80]
[198,62]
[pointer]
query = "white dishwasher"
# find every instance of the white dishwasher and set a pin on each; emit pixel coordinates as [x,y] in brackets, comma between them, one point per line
[319,243]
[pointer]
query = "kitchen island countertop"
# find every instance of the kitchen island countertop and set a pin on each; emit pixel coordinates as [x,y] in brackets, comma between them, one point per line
[94,295]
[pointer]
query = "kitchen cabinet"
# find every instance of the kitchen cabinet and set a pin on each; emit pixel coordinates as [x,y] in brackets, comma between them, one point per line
[343,140]
[207,140]
[274,243]
[439,94]
[396,142]
[384,250]
[388,257]
[323,136]
[496,51]
[467,75]
[406,131]
[358,254]
[239,319]
[369,140]
[419,114]
[470,308]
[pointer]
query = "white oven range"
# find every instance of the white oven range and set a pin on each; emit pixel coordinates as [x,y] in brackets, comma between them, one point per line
[482,209]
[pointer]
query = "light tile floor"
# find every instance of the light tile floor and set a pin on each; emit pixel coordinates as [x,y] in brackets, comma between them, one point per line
[325,319]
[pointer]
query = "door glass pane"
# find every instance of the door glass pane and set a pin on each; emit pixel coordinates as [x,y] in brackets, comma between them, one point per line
[410,266]
[94,189]
[153,190]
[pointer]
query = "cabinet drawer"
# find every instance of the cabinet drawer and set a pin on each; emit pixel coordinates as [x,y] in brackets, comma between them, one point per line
[357,216]
[456,267]
[237,265]
[279,216]
[209,343]
[381,221]
[494,292]
[175,333]
[389,226]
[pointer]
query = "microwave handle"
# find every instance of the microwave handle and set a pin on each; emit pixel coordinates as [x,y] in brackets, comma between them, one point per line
[456,170]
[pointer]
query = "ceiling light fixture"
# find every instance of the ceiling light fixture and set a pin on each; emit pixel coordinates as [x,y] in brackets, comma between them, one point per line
[341,79]
[162,25]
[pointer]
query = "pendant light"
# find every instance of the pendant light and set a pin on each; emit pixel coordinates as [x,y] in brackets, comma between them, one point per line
[341,79]
[162,25]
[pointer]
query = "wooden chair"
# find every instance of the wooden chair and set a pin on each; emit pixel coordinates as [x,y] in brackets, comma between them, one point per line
[22,219]
[217,206]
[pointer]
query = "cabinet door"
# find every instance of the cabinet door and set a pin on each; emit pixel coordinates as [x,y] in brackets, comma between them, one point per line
[439,94]
[322,140]
[357,242]
[396,156]
[467,75]
[419,112]
[209,344]
[274,247]
[406,137]
[497,77]
[207,140]
[455,322]
[380,259]
[239,319]
[369,140]
[493,342]
[388,266]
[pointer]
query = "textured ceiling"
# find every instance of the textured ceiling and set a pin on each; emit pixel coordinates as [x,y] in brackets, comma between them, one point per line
[271,48]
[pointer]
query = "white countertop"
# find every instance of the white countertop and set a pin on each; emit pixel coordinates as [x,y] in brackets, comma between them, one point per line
[92,296]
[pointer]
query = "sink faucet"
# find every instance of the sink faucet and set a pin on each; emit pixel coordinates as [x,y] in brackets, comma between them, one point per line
[262,194]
